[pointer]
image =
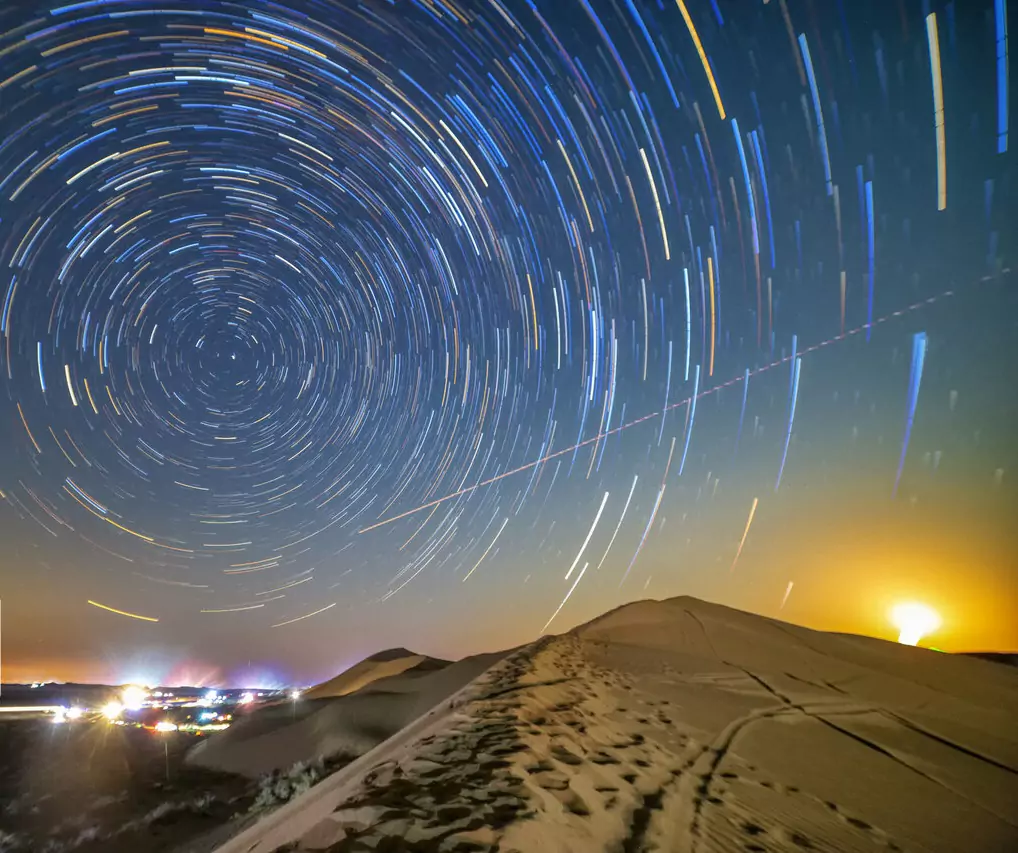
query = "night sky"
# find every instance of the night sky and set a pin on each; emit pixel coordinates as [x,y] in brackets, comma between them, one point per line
[330,327]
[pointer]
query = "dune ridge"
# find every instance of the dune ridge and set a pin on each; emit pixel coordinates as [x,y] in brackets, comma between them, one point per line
[684,725]
[344,717]
[381,665]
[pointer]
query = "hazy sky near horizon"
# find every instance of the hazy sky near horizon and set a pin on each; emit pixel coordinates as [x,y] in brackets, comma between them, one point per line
[571,302]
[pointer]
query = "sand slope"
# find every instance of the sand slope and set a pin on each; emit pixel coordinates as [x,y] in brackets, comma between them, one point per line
[344,719]
[682,725]
[380,665]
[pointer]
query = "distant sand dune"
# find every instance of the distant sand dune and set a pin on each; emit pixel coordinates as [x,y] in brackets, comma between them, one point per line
[337,718]
[378,666]
[686,726]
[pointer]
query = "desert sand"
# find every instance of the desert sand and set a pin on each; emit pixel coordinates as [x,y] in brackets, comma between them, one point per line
[378,666]
[682,726]
[343,717]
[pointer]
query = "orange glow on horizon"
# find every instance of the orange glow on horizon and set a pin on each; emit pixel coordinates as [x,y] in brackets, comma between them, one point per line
[914,621]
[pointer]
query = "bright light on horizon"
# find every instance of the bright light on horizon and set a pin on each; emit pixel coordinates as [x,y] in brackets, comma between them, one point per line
[112,710]
[133,697]
[914,621]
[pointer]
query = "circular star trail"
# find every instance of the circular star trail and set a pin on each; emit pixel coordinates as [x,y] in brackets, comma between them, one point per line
[312,306]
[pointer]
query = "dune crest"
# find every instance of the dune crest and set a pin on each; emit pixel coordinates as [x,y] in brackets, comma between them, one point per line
[377,666]
[340,718]
[683,725]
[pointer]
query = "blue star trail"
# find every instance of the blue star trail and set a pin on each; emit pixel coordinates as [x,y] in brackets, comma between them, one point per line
[312,307]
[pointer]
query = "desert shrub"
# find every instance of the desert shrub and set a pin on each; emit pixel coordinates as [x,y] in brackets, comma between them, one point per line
[90,833]
[282,786]
[203,803]
[160,811]
[9,842]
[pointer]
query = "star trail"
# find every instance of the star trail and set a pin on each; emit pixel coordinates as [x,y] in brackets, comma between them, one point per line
[312,311]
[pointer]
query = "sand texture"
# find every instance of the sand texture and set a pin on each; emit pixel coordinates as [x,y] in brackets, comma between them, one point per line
[686,726]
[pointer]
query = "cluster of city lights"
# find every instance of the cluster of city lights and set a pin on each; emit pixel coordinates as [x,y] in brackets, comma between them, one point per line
[135,697]
[63,715]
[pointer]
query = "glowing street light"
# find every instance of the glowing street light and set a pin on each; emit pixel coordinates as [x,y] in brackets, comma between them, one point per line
[162,727]
[914,621]
[112,710]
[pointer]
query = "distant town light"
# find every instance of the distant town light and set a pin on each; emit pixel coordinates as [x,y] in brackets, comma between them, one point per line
[246,698]
[133,697]
[112,710]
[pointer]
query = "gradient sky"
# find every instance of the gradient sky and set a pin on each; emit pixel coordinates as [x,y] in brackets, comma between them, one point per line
[559,294]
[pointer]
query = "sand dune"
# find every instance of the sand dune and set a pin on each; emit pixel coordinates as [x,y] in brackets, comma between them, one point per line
[682,725]
[346,716]
[381,665]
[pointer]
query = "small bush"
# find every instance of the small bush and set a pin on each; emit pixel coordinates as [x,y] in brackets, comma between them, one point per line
[90,833]
[9,842]
[280,787]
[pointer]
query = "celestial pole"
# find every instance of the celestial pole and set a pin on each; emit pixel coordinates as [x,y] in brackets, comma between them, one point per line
[310,312]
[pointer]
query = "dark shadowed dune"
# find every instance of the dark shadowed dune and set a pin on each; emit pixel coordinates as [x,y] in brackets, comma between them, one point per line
[344,717]
[380,665]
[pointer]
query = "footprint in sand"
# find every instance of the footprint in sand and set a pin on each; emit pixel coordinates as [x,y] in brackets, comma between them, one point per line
[552,780]
[635,739]
[603,758]
[754,829]
[852,821]
[798,839]
[791,836]
[572,802]
[564,755]
[795,838]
